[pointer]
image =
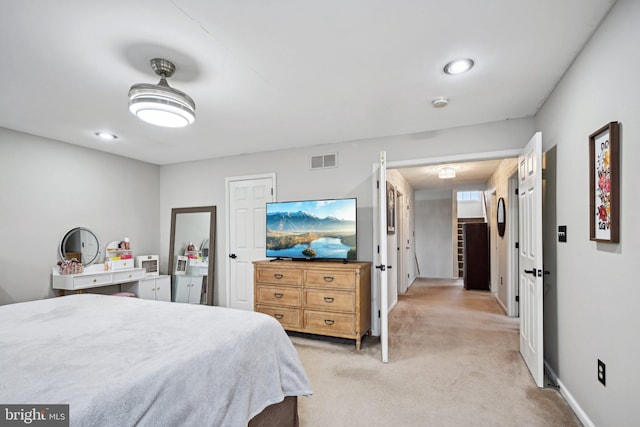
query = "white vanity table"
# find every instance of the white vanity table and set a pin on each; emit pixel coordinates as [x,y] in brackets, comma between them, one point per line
[94,276]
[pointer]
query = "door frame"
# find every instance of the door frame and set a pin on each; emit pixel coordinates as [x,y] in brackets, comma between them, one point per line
[512,252]
[397,164]
[401,208]
[227,184]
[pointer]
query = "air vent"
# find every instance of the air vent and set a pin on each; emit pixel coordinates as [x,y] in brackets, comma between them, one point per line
[324,161]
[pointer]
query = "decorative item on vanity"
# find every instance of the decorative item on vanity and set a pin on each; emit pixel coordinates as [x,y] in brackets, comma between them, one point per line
[70,266]
[151,263]
[118,255]
[180,265]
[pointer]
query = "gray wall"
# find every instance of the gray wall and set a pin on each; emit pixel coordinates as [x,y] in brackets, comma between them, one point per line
[592,296]
[434,222]
[499,246]
[295,181]
[49,187]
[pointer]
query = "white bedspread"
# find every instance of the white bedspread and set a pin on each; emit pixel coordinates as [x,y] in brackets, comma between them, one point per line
[125,361]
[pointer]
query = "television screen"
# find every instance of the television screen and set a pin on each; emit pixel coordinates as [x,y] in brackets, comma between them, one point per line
[312,229]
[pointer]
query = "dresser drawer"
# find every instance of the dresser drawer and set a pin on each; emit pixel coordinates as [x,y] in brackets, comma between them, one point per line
[318,299]
[330,323]
[330,279]
[284,276]
[288,317]
[280,295]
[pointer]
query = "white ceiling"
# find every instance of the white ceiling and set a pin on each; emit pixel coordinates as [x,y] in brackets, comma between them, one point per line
[276,74]
[469,175]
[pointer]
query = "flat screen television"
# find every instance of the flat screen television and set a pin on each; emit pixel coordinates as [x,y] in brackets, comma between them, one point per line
[312,229]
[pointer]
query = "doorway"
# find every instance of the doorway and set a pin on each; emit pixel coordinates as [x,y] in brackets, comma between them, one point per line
[246,198]
[377,305]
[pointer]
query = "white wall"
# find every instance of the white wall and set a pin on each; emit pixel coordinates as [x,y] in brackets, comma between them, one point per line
[592,296]
[470,209]
[398,240]
[434,222]
[48,188]
[499,183]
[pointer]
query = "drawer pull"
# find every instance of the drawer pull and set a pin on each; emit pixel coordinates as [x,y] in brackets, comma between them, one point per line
[329,322]
[278,316]
[277,295]
[328,279]
[95,280]
[278,276]
[328,299]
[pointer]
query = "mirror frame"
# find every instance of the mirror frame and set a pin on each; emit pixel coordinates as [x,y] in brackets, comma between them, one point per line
[501,214]
[62,252]
[212,239]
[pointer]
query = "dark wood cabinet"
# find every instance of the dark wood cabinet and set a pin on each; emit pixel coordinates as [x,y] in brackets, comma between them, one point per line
[476,256]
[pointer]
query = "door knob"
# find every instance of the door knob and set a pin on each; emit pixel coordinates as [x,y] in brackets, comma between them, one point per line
[233,256]
[532,272]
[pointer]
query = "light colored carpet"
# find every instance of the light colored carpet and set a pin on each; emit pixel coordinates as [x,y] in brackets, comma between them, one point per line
[454,361]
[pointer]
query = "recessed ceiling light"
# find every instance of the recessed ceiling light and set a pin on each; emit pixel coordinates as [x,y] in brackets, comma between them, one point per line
[458,66]
[440,102]
[106,135]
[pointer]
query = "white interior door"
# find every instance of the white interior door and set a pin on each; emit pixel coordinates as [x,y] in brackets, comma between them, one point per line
[381,258]
[246,202]
[530,257]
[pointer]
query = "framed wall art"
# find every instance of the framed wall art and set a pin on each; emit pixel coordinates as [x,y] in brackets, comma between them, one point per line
[391,208]
[604,184]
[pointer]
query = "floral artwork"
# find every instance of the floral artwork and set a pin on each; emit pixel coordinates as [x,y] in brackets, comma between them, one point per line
[603,190]
[603,156]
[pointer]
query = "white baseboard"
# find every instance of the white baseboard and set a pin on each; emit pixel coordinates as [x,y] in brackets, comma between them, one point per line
[500,303]
[582,416]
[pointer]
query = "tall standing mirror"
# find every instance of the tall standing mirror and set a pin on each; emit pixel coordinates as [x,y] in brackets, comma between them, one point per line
[192,254]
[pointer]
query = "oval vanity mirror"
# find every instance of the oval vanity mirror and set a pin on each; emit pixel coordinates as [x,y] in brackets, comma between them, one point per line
[501,218]
[80,243]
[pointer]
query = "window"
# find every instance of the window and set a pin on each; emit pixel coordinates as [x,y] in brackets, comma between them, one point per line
[469,196]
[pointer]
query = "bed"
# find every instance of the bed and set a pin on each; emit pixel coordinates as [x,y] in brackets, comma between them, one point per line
[121,361]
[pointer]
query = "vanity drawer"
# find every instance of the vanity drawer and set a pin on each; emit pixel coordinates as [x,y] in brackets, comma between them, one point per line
[128,276]
[288,317]
[330,279]
[319,299]
[122,264]
[329,323]
[282,295]
[81,282]
[284,276]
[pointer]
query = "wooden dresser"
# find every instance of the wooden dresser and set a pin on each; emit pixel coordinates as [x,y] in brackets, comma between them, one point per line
[324,298]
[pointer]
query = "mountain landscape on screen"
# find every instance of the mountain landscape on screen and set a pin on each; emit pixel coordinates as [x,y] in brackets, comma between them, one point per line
[312,229]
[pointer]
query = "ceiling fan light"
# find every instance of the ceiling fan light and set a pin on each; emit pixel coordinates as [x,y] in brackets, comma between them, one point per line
[446,173]
[160,104]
